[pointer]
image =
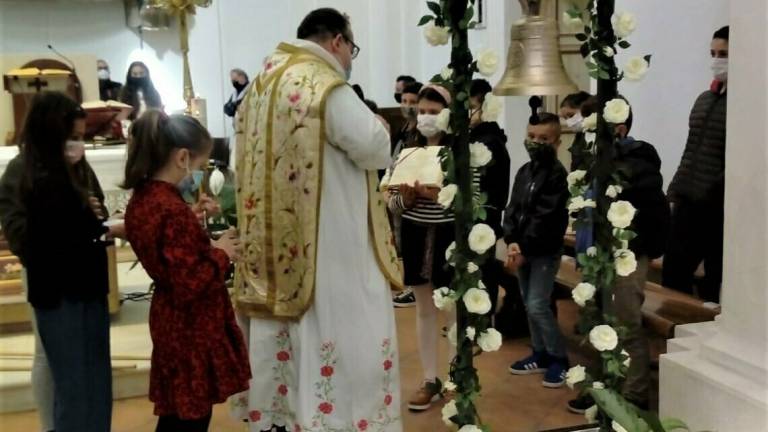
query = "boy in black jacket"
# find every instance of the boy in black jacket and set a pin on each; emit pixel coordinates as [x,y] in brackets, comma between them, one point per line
[534,224]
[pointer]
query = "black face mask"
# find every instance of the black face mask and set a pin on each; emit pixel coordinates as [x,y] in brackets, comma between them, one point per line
[239,87]
[539,152]
[138,81]
[399,97]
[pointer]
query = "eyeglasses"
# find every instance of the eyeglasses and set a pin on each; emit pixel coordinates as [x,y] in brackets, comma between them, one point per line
[355,48]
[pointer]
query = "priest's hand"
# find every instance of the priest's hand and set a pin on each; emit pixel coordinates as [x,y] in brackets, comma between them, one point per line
[230,244]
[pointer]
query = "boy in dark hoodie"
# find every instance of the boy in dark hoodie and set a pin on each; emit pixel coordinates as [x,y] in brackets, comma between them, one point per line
[534,225]
[640,166]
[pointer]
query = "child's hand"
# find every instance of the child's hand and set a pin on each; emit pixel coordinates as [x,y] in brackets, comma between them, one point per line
[409,195]
[230,244]
[515,257]
[428,192]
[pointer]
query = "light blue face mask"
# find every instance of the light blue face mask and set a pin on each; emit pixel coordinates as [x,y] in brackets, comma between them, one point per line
[192,181]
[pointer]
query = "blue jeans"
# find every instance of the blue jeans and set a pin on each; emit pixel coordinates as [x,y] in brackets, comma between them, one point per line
[75,336]
[537,280]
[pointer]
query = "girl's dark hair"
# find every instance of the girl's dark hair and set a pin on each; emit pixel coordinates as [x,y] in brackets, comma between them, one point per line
[480,88]
[47,127]
[153,138]
[432,95]
[575,100]
[129,94]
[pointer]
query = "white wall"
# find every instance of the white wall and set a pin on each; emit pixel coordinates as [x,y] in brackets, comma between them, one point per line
[677,33]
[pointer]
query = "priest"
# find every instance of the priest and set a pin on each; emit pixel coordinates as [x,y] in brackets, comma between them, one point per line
[313,287]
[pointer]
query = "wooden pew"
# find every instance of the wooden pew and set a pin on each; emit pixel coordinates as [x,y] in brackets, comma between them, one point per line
[663,308]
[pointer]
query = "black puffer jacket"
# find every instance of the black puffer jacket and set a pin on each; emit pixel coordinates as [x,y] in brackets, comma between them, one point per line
[495,181]
[641,166]
[537,217]
[701,174]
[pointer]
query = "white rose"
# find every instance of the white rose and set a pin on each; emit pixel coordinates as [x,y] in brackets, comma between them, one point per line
[453,335]
[472,268]
[449,252]
[628,361]
[591,414]
[477,301]
[635,69]
[578,203]
[604,338]
[583,293]
[489,340]
[437,35]
[572,23]
[590,123]
[481,238]
[216,182]
[591,251]
[623,24]
[443,299]
[446,73]
[625,262]
[616,111]
[609,51]
[621,213]
[491,110]
[613,191]
[575,375]
[449,386]
[449,410]
[576,177]
[479,155]
[446,195]
[471,333]
[470,428]
[444,120]
[598,385]
[487,62]
[617,427]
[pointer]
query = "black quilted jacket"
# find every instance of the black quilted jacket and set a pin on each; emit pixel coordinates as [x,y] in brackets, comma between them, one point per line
[700,178]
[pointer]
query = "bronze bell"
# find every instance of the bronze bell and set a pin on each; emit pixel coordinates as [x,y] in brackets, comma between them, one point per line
[534,64]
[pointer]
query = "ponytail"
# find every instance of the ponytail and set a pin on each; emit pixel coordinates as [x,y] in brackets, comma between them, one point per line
[154,137]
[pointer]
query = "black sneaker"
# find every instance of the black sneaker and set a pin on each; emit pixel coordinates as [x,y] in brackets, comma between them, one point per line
[581,404]
[536,363]
[405,299]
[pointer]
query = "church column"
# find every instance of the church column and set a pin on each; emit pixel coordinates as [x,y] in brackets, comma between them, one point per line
[715,376]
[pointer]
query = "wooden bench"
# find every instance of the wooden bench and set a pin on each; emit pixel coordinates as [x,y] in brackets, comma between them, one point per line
[663,308]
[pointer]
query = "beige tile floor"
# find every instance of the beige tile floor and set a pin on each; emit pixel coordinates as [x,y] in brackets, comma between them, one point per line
[509,403]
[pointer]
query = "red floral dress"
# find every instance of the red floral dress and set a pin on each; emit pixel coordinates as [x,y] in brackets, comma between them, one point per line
[199,356]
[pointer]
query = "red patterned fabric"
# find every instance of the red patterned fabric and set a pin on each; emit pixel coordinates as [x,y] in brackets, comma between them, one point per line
[199,356]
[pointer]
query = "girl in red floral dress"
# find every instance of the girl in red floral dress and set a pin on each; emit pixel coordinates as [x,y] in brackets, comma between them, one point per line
[199,356]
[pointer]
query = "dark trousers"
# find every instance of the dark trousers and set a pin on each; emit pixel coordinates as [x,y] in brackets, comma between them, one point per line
[696,235]
[175,424]
[75,337]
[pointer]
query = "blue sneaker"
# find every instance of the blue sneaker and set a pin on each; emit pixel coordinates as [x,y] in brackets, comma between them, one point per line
[536,363]
[555,375]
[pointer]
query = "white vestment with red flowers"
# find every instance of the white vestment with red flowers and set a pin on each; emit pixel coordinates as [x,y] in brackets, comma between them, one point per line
[336,367]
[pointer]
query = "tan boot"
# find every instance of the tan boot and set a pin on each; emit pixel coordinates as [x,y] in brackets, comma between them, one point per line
[428,393]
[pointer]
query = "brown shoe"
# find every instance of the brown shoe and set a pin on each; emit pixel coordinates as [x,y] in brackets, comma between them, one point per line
[428,393]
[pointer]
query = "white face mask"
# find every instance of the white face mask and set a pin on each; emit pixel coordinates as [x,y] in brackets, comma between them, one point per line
[575,122]
[74,151]
[103,74]
[427,125]
[720,69]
